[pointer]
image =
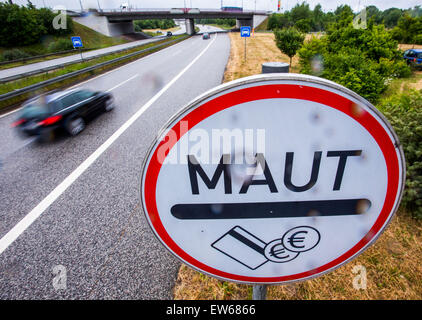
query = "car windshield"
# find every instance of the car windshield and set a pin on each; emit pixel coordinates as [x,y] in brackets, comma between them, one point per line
[419,55]
[36,108]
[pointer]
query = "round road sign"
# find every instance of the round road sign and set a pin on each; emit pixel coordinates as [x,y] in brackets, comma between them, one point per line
[272,178]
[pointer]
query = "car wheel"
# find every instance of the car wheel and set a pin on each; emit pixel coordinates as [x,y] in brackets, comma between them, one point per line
[109,105]
[75,126]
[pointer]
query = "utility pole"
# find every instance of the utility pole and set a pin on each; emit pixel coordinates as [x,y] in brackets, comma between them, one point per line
[98,2]
[82,8]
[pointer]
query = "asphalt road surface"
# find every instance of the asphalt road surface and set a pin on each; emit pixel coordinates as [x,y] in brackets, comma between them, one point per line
[76,57]
[70,209]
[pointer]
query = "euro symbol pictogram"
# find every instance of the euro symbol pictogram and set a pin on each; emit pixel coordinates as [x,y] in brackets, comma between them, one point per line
[275,252]
[301,239]
[295,239]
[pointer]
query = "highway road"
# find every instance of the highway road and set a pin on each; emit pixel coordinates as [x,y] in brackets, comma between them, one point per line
[70,209]
[76,57]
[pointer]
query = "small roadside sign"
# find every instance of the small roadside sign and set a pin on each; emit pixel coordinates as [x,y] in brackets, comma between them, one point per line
[272,179]
[77,42]
[245,31]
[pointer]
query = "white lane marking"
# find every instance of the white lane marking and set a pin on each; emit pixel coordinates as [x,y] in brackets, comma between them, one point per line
[122,83]
[23,224]
[6,114]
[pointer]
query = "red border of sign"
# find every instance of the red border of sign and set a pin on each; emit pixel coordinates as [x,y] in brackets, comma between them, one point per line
[270,91]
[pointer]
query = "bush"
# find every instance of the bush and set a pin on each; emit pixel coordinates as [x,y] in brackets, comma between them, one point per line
[347,68]
[364,60]
[60,45]
[404,112]
[13,54]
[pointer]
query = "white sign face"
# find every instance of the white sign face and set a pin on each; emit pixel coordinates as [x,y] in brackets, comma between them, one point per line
[272,178]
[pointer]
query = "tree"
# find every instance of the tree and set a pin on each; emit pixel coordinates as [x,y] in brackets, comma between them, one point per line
[301,11]
[289,41]
[391,17]
[343,11]
[318,18]
[407,29]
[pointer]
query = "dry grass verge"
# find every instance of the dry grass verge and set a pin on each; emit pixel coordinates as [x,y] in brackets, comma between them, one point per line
[393,264]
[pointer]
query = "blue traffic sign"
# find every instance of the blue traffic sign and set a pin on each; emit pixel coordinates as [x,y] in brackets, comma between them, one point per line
[77,42]
[245,31]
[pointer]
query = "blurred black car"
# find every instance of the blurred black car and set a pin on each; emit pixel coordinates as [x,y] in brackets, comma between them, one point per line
[169,34]
[65,109]
[206,36]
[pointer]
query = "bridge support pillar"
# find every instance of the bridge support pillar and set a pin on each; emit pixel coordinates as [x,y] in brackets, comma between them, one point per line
[244,23]
[190,26]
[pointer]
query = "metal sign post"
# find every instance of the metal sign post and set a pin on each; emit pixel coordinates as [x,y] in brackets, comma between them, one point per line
[259,292]
[77,43]
[245,32]
[244,58]
[258,181]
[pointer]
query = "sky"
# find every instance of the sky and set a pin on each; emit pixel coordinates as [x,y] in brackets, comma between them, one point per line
[268,5]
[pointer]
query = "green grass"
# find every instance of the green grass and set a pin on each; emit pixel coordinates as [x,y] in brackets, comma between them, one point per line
[401,85]
[92,39]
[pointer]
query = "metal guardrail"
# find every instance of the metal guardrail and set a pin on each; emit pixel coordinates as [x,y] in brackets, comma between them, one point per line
[45,83]
[41,56]
[61,65]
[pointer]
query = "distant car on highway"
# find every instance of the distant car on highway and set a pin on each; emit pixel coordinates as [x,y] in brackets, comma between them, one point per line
[68,109]
[205,36]
[169,34]
[413,57]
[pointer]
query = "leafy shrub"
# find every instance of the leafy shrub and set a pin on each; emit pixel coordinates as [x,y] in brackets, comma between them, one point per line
[13,54]
[60,45]
[404,112]
[364,60]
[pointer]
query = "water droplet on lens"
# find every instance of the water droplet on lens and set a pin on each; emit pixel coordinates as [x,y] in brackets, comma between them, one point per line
[363,206]
[217,208]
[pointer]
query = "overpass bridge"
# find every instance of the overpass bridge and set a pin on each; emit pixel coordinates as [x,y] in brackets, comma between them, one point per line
[114,22]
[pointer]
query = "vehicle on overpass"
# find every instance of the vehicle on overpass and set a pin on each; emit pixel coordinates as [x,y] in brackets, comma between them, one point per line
[68,110]
[232,9]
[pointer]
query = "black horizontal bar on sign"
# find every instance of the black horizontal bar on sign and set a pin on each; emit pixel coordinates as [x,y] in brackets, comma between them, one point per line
[259,210]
